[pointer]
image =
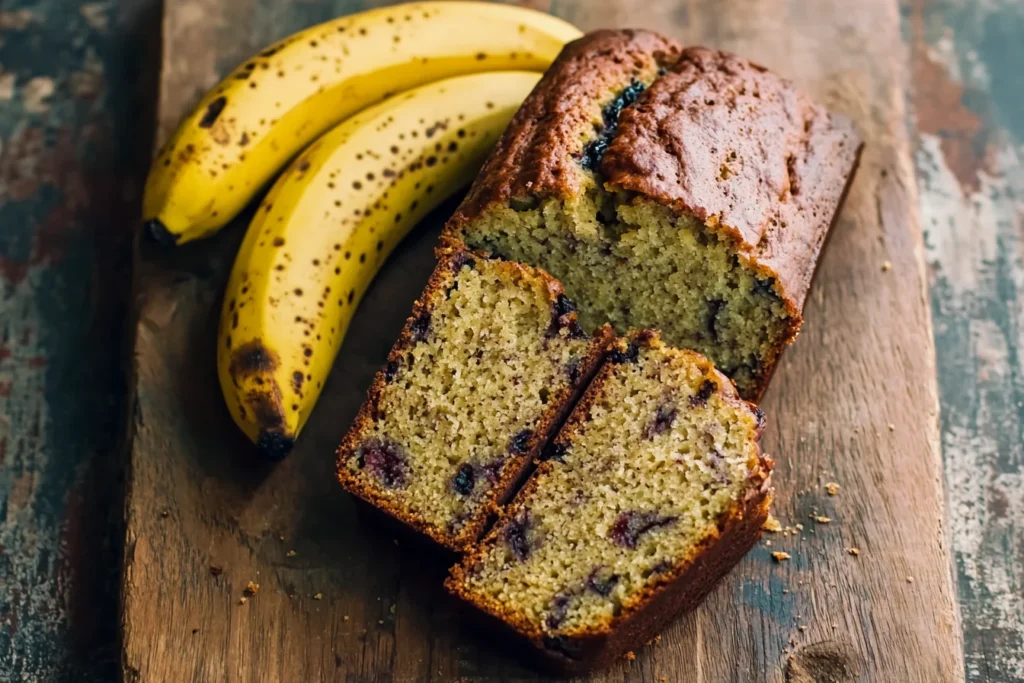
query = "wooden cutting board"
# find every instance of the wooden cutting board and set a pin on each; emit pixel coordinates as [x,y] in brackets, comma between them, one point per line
[854,403]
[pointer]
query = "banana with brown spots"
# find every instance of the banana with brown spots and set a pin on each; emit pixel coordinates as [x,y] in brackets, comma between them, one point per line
[269,108]
[326,227]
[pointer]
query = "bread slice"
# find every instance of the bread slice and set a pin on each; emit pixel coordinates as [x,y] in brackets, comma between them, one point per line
[654,489]
[486,368]
[684,190]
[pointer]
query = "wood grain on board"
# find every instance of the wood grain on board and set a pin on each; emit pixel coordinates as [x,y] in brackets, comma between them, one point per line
[854,402]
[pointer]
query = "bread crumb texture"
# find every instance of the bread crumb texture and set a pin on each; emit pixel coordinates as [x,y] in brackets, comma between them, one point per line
[636,264]
[657,453]
[486,360]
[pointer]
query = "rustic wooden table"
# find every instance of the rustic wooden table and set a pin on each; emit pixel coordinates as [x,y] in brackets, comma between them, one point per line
[77,94]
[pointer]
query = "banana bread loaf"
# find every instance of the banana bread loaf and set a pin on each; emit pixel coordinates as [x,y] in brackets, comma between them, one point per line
[651,492]
[486,368]
[684,190]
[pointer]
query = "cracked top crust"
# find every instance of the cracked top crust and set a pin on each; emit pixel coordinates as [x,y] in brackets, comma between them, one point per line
[735,145]
[714,135]
[541,150]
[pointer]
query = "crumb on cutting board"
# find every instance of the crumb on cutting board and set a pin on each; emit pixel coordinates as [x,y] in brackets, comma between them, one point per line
[771,524]
[780,556]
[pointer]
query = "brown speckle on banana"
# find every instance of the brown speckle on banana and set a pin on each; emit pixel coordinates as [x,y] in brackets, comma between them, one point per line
[251,359]
[331,59]
[351,166]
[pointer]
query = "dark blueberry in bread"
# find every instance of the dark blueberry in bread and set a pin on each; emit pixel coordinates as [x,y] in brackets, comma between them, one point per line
[593,153]
[700,398]
[718,465]
[559,608]
[662,567]
[607,543]
[521,441]
[464,479]
[632,524]
[419,328]
[663,419]
[563,316]
[625,354]
[384,460]
[475,364]
[603,586]
[516,536]
[563,306]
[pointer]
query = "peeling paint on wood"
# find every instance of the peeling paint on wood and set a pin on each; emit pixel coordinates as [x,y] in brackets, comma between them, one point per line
[969,109]
[69,160]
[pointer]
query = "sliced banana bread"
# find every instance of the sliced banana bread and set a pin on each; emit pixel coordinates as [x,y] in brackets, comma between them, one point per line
[486,368]
[652,491]
[684,190]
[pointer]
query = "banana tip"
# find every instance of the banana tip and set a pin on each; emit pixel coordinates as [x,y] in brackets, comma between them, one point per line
[159,233]
[274,445]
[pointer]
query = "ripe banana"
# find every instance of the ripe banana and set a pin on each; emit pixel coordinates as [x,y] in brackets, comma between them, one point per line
[326,227]
[272,106]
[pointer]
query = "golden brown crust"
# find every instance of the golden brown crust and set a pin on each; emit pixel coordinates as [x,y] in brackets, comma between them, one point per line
[450,261]
[540,151]
[733,144]
[715,136]
[677,590]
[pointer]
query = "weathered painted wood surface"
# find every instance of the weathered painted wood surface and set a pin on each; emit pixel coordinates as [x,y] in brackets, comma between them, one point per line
[968,109]
[74,139]
[351,604]
[62,286]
